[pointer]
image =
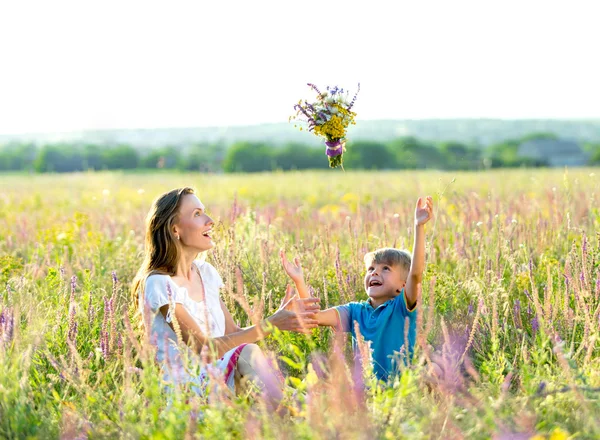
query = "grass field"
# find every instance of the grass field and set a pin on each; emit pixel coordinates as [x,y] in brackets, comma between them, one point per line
[510,304]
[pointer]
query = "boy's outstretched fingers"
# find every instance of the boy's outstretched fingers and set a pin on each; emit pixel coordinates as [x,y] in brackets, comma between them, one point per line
[290,294]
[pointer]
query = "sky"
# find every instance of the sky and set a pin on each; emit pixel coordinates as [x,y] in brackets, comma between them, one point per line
[80,65]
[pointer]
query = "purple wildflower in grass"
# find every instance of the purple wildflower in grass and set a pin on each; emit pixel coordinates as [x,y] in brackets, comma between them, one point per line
[470,312]
[517,307]
[73,287]
[529,310]
[535,325]
[72,322]
[104,330]
[7,327]
[566,281]
[598,285]
[115,281]
[62,272]
[73,331]
[358,384]
[531,267]
[541,387]
[9,293]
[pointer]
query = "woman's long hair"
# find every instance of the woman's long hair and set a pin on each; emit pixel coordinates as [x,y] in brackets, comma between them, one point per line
[161,250]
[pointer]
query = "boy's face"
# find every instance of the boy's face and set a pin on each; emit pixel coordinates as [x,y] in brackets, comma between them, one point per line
[384,281]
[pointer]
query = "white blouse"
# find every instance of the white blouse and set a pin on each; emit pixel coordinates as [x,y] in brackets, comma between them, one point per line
[161,290]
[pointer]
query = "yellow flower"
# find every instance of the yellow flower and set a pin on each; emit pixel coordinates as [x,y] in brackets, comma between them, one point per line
[559,434]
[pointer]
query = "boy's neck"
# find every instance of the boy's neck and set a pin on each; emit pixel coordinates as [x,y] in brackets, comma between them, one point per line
[376,302]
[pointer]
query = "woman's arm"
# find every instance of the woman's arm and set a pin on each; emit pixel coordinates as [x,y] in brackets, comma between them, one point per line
[230,325]
[193,336]
[285,318]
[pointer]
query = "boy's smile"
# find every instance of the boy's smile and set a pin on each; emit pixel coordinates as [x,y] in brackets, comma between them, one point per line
[383,282]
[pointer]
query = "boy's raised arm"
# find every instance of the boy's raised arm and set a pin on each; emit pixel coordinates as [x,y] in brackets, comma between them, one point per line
[329,317]
[423,213]
[294,271]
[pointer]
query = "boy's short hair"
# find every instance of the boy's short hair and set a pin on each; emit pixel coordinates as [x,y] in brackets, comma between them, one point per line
[390,256]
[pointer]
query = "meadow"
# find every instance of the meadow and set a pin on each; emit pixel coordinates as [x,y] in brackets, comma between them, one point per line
[510,305]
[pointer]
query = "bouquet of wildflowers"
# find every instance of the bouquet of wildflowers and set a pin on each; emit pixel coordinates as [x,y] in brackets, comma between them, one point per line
[329,118]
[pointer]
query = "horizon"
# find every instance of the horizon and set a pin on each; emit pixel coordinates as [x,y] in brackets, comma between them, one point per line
[590,120]
[137,66]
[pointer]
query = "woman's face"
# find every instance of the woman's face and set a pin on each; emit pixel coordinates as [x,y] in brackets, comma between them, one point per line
[193,224]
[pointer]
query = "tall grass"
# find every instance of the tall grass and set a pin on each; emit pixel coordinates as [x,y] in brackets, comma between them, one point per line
[510,307]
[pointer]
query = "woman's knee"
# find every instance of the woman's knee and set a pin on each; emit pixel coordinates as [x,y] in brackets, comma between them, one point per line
[251,352]
[250,357]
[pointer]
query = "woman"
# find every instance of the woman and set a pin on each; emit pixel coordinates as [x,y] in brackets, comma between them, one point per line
[179,294]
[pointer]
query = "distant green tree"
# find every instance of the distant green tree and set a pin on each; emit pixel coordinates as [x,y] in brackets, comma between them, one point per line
[294,156]
[166,157]
[459,156]
[92,157]
[537,136]
[204,157]
[413,153]
[59,158]
[594,152]
[248,157]
[121,157]
[369,155]
[17,156]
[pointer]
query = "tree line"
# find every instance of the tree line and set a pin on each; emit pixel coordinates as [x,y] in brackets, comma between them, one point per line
[401,153]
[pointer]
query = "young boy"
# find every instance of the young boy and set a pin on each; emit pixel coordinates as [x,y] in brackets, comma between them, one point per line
[392,282]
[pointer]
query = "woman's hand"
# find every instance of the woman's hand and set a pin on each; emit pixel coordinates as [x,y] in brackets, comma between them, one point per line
[296,314]
[294,270]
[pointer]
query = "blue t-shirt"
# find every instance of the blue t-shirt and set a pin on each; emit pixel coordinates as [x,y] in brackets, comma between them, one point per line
[384,327]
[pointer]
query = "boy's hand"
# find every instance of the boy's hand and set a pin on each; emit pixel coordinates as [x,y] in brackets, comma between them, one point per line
[294,270]
[423,210]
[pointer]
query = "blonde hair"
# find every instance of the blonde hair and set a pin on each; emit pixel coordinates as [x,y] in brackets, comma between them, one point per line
[391,256]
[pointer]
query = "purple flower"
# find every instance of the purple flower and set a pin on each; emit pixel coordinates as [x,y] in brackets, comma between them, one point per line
[73,331]
[517,307]
[73,286]
[470,312]
[314,88]
[7,320]
[354,99]
[104,331]
[541,387]
[535,325]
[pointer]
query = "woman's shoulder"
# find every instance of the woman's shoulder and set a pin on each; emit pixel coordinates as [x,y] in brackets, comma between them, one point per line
[205,267]
[158,282]
[209,273]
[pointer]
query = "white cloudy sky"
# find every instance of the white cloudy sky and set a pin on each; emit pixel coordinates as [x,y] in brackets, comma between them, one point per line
[129,64]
